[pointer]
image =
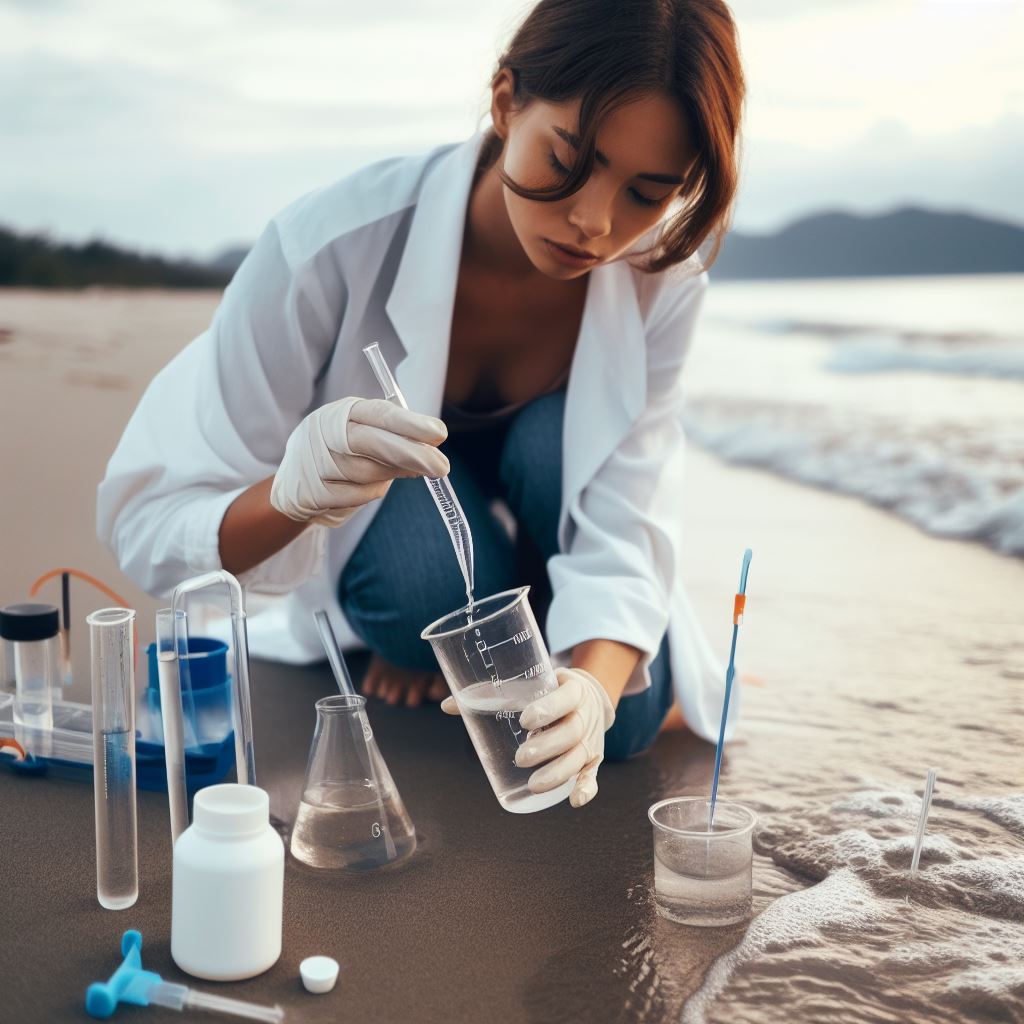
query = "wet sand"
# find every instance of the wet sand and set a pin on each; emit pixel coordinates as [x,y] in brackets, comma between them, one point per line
[879,651]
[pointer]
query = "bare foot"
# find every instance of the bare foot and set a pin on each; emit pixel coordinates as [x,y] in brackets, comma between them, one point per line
[402,685]
[674,719]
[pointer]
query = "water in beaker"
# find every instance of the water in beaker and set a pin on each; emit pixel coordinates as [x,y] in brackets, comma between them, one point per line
[496,663]
[702,878]
[351,817]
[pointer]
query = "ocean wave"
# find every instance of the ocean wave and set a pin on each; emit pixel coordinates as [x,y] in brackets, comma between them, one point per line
[879,348]
[886,355]
[951,480]
[869,935]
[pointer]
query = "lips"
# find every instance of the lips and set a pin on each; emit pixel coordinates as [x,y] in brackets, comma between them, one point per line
[573,251]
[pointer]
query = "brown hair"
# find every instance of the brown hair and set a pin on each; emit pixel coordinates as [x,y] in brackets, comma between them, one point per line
[604,52]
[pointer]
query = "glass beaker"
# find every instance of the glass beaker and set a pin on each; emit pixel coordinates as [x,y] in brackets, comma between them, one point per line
[702,878]
[496,662]
[350,817]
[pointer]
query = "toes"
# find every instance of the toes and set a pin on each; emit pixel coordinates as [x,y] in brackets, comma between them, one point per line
[414,695]
[438,688]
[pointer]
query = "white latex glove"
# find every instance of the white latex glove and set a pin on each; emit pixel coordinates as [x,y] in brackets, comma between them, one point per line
[566,734]
[346,453]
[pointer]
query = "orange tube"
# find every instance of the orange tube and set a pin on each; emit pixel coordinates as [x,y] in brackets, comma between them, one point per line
[6,741]
[98,584]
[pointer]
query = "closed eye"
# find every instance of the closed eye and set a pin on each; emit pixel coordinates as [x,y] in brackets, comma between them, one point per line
[638,197]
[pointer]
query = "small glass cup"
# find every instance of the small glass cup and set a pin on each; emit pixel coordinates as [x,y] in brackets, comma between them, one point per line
[702,878]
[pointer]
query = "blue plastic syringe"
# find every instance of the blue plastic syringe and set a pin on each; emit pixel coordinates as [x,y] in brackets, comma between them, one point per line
[131,984]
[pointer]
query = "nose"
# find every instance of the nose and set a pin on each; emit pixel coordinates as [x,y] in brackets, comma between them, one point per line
[590,212]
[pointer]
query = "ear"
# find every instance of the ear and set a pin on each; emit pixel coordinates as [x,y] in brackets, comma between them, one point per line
[504,105]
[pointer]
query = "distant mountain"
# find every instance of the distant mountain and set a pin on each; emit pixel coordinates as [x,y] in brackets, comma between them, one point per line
[906,241]
[35,261]
[229,260]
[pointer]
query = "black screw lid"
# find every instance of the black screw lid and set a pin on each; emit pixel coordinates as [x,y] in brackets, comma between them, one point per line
[27,622]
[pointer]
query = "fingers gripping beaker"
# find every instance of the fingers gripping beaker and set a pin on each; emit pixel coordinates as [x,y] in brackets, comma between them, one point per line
[350,817]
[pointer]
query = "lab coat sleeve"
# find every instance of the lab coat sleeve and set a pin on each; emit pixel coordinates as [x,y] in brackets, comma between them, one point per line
[615,579]
[216,420]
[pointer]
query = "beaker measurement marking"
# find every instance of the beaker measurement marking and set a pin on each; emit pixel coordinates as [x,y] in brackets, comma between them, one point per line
[378,830]
[539,669]
[512,717]
[517,639]
[484,651]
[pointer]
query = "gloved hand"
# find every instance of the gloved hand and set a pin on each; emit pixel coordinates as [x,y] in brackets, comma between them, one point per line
[346,453]
[566,729]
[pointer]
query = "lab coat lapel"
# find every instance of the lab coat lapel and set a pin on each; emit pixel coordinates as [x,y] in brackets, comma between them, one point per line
[422,297]
[608,382]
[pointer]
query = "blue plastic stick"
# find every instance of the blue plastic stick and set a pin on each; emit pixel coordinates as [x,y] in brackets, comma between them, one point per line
[729,676]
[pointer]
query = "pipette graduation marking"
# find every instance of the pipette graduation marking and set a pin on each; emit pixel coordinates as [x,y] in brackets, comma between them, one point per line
[737,617]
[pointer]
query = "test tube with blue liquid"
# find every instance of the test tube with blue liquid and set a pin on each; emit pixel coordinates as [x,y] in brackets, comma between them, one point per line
[112,639]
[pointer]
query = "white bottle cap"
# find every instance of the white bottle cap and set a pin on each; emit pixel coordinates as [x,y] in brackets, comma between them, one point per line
[319,973]
[230,809]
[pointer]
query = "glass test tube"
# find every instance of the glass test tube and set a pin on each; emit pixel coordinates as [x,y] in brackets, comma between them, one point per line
[112,638]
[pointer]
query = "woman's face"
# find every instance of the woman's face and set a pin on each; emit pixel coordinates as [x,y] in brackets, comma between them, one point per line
[643,155]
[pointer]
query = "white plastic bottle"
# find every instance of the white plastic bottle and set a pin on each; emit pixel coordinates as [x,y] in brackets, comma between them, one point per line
[228,886]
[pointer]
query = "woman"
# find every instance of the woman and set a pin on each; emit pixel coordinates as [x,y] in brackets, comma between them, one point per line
[535,288]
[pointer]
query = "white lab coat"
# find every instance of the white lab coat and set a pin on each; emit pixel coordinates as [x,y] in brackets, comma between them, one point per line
[375,257]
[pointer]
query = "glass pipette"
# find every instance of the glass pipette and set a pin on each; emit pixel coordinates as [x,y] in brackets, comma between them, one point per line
[440,489]
[181,997]
[922,821]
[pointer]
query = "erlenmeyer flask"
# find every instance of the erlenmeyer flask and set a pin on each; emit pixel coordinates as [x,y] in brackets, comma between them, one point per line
[350,817]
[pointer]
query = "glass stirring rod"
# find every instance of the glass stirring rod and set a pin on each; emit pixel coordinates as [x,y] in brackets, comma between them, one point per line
[440,489]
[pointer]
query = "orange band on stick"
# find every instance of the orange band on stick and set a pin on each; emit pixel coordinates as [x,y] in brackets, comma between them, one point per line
[737,609]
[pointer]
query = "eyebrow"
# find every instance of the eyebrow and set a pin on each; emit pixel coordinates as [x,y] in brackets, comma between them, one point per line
[574,141]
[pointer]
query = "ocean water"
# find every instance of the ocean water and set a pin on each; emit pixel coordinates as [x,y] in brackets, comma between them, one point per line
[865,940]
[905,392]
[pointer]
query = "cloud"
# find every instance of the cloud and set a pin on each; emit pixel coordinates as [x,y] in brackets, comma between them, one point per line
[976,169]
[186,126]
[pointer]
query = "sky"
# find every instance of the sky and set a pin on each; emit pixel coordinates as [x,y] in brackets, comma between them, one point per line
[181,126]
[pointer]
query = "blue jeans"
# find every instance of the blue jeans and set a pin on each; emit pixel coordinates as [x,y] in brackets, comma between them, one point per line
[403,574]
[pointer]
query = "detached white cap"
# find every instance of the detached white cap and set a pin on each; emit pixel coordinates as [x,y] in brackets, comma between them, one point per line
[319,973]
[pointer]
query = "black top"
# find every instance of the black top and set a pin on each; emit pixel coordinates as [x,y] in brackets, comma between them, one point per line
[484,407]
[27,622]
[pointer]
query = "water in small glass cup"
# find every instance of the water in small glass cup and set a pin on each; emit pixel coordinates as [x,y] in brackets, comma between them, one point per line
[496,663]
[702,878]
